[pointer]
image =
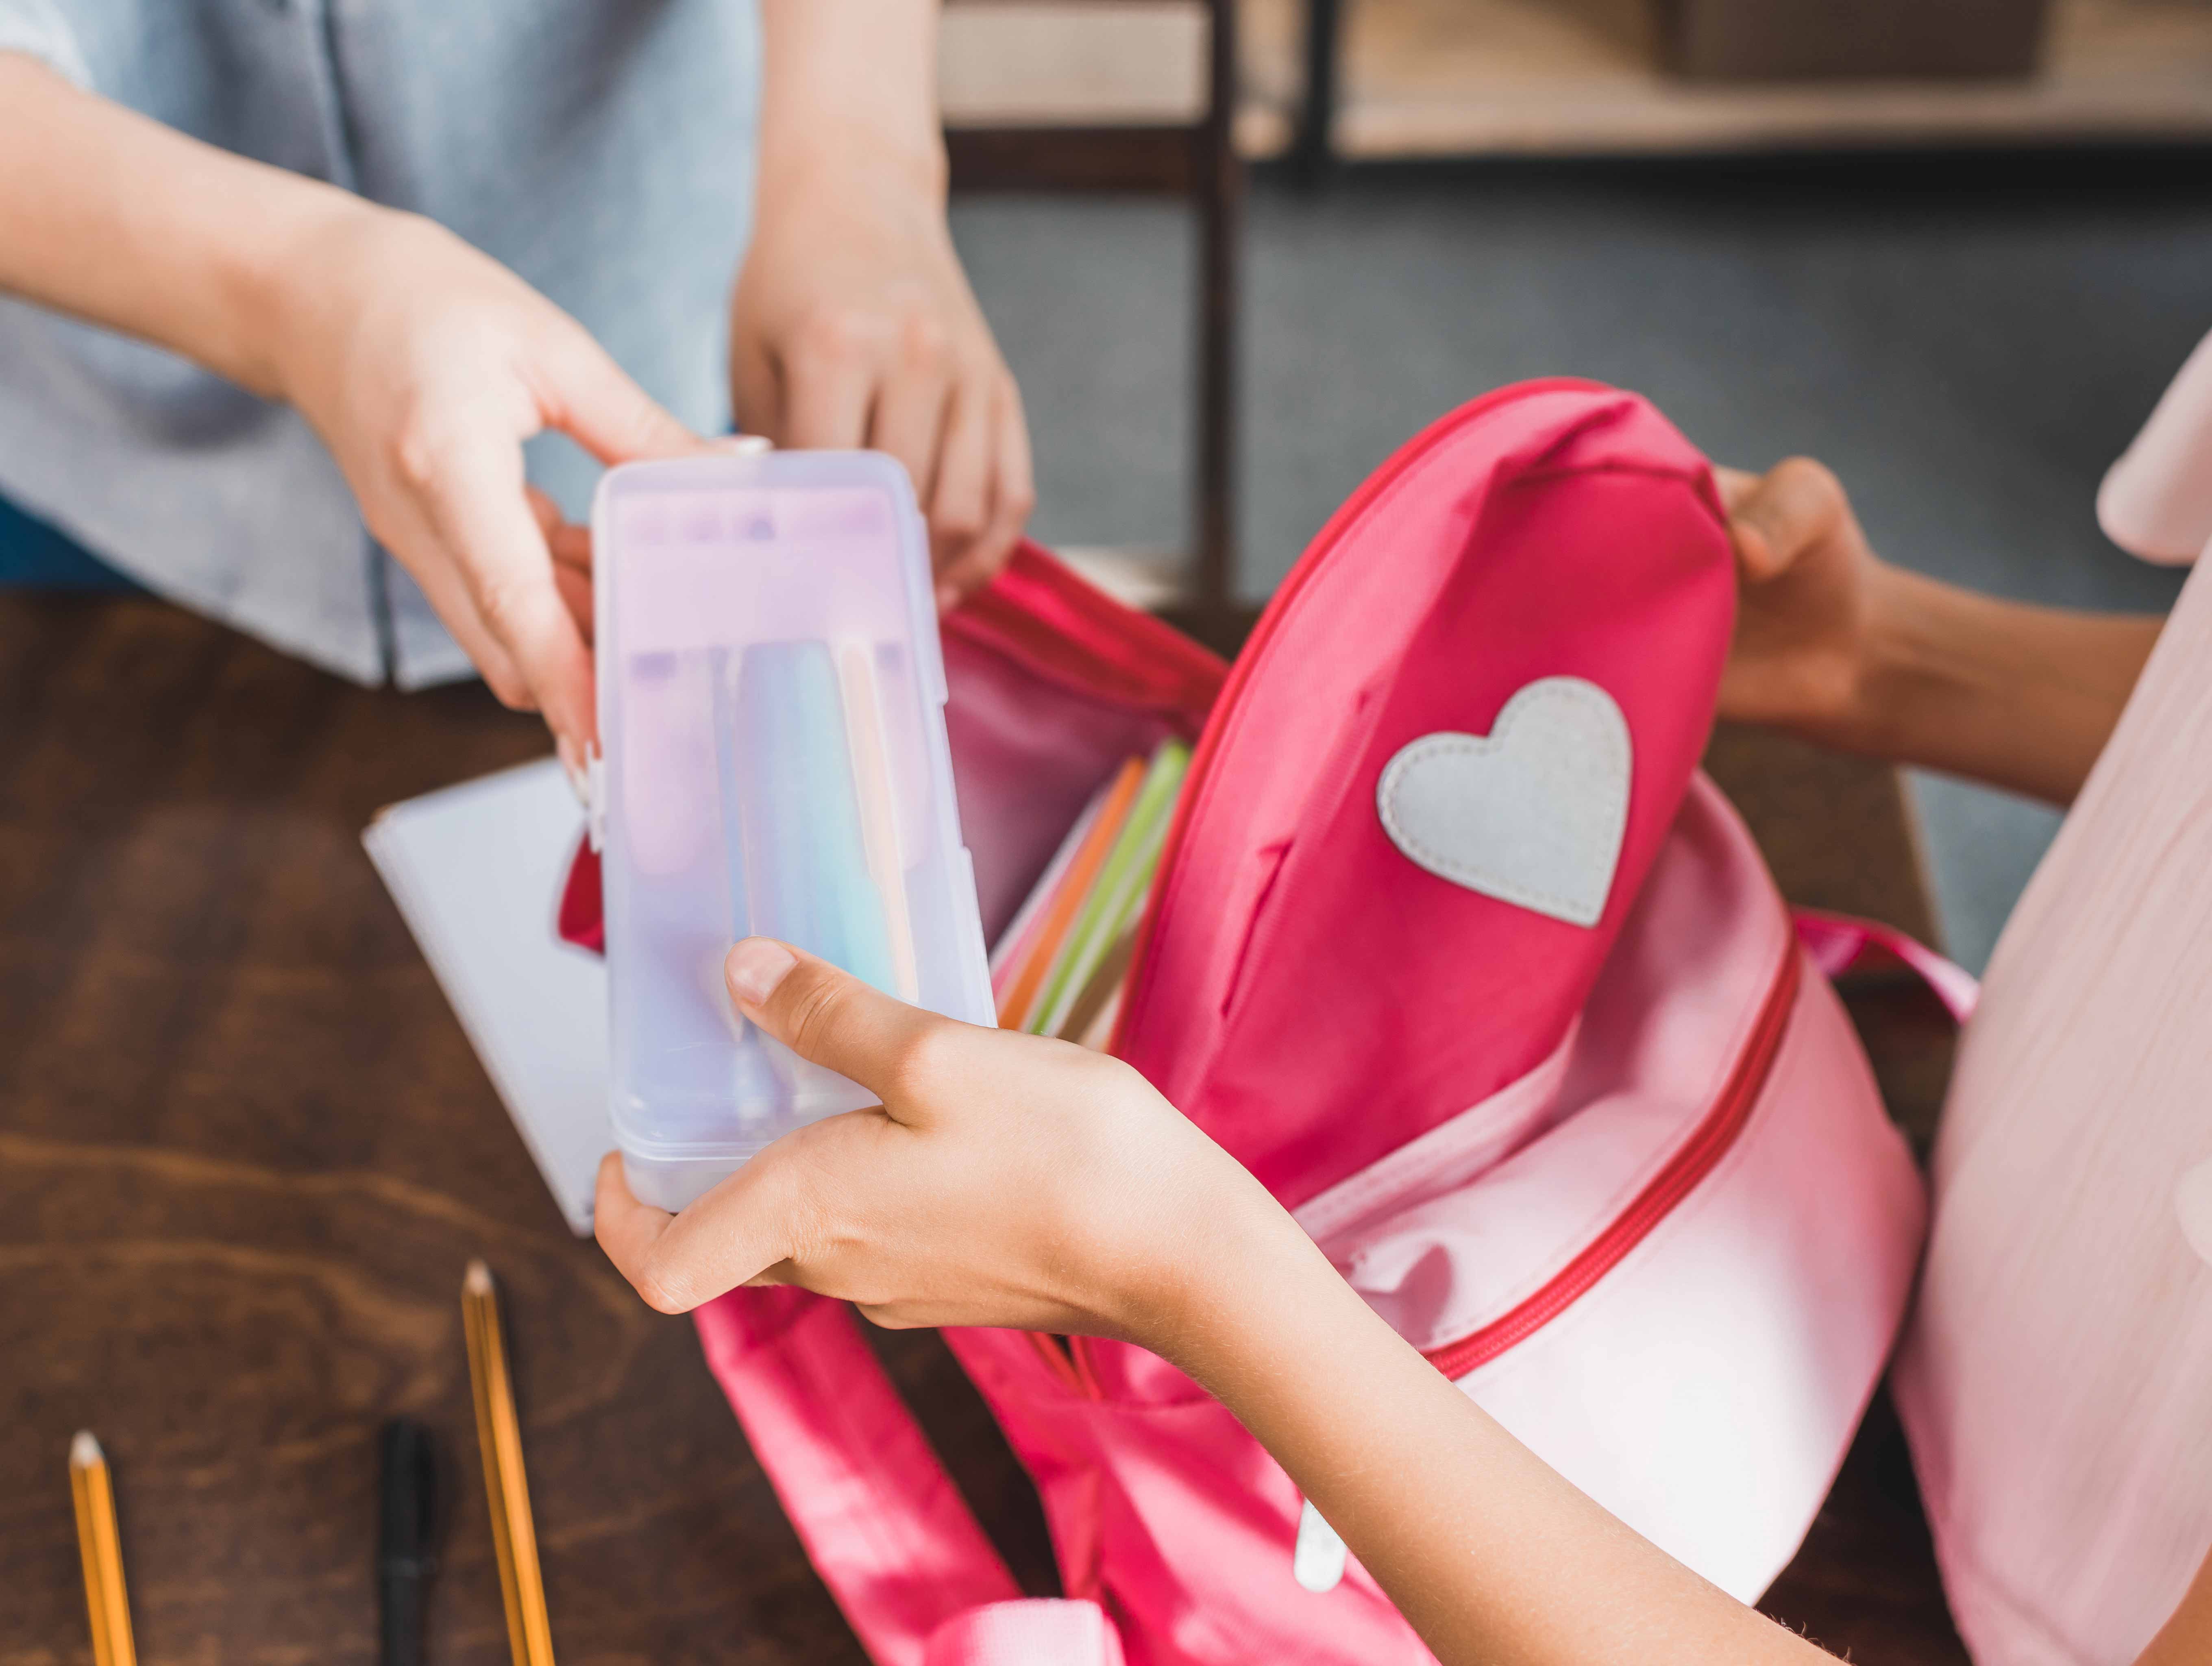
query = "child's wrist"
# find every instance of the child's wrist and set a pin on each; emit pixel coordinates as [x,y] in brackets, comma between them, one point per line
[1862,708]
[1216,1312]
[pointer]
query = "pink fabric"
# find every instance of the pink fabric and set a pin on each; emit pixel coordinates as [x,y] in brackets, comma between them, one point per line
[1603,557]
[2057,1379]
[1036,1631]
[880,1519]
[1697,1362]
[1837,942]
[1442,1251]
[1705,1390]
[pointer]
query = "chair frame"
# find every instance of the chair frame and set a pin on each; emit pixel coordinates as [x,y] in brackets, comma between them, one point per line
[1197,161]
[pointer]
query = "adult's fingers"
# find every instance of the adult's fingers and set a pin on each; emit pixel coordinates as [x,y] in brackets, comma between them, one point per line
[542,509]
[1787,510]
[583,393]
[570,546]
[959,507]
[909,408]
[1014,495]
[728,1237]
[404,527]
[829,376]
[828,1015]
[471,491]
[757,389]
[574,585]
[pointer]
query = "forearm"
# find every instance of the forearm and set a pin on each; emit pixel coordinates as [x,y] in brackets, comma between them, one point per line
[2020,697]
[123,222]
[2185,1639]
[841,73]
[1489,1552]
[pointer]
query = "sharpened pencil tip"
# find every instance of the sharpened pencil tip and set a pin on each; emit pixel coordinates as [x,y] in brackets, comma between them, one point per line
[84,1451]
[477,1282]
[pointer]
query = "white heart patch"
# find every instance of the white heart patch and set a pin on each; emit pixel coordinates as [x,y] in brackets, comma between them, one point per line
[1532,813]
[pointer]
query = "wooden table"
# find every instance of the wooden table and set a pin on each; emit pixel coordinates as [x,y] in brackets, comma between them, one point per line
[245,1152]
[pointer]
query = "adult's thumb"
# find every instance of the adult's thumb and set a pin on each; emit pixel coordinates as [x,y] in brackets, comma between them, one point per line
[825,1014]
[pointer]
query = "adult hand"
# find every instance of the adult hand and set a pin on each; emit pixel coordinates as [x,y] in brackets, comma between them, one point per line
[1808,589]
[424,365]
[854,326]
[1005,1179]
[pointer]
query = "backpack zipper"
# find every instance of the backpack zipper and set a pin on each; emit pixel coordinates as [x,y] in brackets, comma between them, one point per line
[1697,1158]
[1701,1154]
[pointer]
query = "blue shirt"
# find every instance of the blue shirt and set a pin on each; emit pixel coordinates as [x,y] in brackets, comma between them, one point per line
[601,149]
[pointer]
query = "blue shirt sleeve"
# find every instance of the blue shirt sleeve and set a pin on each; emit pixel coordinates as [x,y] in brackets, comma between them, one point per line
[37,27]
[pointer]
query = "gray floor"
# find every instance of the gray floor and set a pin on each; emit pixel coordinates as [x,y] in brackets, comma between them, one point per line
[1968,344]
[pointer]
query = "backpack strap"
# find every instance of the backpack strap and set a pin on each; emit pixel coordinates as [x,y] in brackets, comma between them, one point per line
[1037,1631]
[1837,942]
[880,1519]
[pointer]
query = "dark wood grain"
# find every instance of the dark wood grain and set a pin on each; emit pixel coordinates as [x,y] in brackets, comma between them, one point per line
[246,1151]
[245,1154]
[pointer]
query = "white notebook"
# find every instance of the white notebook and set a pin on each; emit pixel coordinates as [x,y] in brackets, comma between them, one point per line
[476,870]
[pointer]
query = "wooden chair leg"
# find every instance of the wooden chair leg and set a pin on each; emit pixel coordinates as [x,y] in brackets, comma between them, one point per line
[1220,190]
[1312,147]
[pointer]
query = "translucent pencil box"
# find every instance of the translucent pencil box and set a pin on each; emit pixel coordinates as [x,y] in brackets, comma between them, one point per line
[771,693]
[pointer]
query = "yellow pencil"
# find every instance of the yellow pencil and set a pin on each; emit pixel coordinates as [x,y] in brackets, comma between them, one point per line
[102,1552]
[499,1436]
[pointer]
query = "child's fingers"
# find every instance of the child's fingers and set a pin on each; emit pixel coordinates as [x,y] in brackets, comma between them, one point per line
[1781,514]
[1735,485]
[626,1229]
[829,1016]
[730,1237]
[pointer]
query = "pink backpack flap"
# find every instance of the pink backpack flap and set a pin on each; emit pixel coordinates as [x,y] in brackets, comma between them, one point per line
[1454,948]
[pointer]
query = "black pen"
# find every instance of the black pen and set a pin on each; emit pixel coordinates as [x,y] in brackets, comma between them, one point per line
[407,1474]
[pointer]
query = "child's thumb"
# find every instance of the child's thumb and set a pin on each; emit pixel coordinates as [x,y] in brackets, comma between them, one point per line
[826,1014]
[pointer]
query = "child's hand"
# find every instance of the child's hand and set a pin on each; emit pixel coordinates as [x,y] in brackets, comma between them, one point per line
[1006,1179]
[1809,587]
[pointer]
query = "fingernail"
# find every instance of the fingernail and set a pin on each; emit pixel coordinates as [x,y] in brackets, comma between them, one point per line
[755,967]
[743,445]
[572,761]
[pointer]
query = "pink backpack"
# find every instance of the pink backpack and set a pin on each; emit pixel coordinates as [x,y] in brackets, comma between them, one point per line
[1455,949]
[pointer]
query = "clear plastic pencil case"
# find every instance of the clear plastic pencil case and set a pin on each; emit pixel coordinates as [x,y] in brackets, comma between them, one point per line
[771,714]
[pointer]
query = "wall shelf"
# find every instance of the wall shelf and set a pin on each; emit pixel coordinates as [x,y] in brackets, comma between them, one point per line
[1433,78]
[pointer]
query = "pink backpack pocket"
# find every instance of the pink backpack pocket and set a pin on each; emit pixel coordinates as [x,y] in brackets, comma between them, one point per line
[1434,781]
[1453,947]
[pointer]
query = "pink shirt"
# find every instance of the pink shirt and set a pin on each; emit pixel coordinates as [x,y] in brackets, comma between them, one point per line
[2056,1378]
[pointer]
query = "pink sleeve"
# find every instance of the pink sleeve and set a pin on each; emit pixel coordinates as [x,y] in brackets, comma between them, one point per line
[2057,1374]
[2156,501]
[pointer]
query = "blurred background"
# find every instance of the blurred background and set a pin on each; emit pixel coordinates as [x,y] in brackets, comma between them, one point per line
[1238,251]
